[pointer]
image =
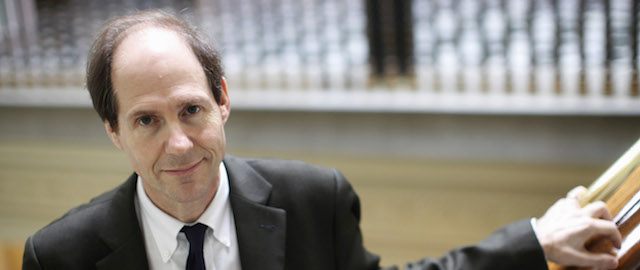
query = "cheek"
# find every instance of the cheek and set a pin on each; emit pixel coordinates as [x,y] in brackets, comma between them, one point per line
[142,152]
[212,135]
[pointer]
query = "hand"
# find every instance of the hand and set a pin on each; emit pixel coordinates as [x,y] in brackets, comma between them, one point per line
[564,230]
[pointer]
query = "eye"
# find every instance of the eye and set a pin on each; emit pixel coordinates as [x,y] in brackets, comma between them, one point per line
[192,109]
[145,120]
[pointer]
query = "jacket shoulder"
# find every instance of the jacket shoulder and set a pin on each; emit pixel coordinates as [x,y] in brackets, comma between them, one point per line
[73,239]
[80,218]
[279,169]
[299,178]
[294,182]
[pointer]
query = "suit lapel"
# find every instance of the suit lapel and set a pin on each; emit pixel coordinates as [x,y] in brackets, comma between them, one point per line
[261,229]
[122,233]
[127,256]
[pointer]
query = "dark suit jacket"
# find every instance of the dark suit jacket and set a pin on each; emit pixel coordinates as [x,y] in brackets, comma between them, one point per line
[288,215]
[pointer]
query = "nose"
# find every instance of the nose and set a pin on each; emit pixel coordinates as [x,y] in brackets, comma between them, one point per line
[178,142]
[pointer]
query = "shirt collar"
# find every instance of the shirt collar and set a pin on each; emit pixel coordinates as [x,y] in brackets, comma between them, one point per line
[165,228]
[218,215]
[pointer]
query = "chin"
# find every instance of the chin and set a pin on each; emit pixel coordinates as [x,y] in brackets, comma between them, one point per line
[194,189]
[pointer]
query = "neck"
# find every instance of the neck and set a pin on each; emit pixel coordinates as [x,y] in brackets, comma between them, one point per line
[187,209]
[188,212]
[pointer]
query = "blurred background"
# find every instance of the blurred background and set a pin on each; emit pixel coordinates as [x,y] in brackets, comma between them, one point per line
[450,117]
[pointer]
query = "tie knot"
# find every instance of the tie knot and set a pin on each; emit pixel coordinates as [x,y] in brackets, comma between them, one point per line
[195,232]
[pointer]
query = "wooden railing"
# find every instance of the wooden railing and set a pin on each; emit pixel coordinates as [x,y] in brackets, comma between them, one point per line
[619,187]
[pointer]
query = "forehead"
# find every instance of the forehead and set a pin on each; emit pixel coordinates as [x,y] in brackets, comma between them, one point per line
[155,62]
[147,46]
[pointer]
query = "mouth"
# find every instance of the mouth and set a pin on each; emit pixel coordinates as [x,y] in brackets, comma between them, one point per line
[188,169]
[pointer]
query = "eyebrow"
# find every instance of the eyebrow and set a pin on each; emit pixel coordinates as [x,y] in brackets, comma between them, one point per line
[182,103]
[192,100]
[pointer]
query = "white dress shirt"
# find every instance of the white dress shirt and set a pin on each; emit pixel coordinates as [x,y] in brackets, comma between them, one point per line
[168,248]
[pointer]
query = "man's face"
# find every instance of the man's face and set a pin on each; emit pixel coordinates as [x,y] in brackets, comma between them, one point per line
[169,124]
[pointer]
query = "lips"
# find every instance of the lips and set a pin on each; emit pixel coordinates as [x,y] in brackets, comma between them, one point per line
[185,169]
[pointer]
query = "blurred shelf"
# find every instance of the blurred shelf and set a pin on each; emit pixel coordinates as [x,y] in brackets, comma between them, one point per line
[44,97]
[367,101]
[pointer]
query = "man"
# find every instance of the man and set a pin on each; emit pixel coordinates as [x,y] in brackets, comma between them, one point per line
[159,89]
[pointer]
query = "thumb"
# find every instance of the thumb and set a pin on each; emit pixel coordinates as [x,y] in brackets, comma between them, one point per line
[577,193]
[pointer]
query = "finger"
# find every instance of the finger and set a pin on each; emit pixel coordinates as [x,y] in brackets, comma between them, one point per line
[606,229]
[597,210]
[576,193]
[602,261]
[596,260]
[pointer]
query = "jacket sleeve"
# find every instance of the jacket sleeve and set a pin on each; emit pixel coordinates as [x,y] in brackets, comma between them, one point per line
[514,246]
[30,259]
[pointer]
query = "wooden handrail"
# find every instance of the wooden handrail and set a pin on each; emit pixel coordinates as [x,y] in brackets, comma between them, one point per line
[619,188]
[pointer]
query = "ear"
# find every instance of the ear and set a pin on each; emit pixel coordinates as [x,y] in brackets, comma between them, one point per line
[113,135]
[225,104]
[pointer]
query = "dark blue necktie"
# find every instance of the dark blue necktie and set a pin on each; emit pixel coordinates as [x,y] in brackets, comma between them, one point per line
[195,235]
